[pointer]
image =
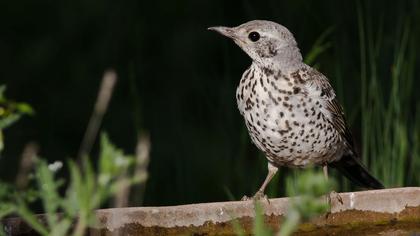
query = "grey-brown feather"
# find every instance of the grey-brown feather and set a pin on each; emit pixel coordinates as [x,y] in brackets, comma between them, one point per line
[290,109]
[338,119]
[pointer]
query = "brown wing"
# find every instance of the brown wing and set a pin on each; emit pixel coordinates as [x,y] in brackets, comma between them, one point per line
[320,83]
[339,121]
[349,164]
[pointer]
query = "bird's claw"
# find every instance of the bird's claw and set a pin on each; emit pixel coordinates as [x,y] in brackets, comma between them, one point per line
[246,198]
[334,194]
[257,197]
[330,196]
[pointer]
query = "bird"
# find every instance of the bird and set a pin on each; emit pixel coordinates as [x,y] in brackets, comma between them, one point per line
[290,109]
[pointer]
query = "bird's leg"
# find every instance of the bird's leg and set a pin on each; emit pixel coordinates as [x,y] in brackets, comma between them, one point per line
[330,194]
[272,170]
[325,170]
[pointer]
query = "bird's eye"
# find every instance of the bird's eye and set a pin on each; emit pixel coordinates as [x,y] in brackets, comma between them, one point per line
[254,36]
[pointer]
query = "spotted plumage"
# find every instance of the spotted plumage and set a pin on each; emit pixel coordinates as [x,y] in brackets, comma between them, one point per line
[290,109]
[291,128]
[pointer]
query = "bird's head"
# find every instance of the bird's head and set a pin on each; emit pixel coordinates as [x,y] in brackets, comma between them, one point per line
[266,42]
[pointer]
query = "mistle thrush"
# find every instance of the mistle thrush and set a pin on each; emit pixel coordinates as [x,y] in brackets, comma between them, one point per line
[290,109]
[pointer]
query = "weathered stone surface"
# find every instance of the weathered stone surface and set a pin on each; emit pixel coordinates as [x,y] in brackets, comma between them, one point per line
[390,211]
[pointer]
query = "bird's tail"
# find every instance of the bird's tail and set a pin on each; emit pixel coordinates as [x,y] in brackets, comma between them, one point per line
[353,169]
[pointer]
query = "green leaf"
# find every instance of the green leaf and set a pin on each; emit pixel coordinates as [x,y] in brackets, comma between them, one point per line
[9,120]
[10,111]
[30,218]
[24,108]
[319,47]
[237,228]
[290,223]
[85,193]
[6,209]
[48,191]
[61,228]
[260,229]
[112,161]
[76,186]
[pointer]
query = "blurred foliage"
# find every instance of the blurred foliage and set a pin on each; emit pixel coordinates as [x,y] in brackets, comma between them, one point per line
[308,192]
[178,81]
[318,48]
[260,228]
[73,212]
[10,112]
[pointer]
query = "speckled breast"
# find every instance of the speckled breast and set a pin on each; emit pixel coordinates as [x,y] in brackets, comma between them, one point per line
[284,121]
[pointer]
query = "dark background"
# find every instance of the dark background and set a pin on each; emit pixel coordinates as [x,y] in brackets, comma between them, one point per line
[177,80]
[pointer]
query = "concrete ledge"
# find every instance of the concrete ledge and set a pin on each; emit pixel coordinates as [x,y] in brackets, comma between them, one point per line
[395,211]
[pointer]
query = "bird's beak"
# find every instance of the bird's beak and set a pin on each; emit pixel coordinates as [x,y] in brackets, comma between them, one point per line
[226,31]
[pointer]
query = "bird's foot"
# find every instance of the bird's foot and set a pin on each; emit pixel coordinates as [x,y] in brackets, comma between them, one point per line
[246,198]
[257,197]
[333,194]
[330,197]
